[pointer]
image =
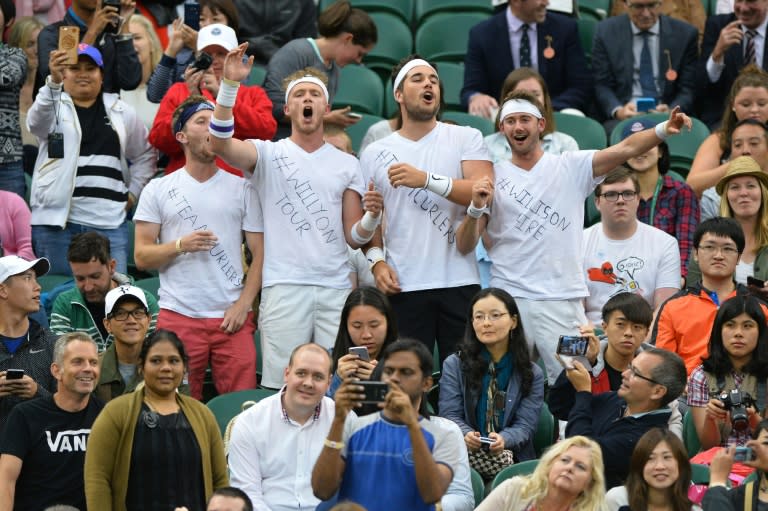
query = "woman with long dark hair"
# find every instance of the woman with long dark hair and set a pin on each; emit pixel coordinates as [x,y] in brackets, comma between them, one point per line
[490,388]
[737,360]
[659,476]
[367,321]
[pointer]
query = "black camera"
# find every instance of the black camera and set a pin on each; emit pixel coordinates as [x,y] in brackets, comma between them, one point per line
[113,26]
[203,61]
[736,403]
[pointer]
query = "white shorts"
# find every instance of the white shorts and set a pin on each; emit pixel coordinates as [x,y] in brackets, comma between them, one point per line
[291,315]
[544,322]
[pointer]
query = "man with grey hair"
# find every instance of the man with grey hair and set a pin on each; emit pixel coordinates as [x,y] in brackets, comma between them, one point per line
[617,420]
[26,348]
[42,448]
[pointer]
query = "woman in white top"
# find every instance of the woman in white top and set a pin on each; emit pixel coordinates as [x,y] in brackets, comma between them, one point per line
[659,476]
[554,142]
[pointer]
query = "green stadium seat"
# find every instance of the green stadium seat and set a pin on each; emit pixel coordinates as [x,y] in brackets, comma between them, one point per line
[49,281]
[699,473]
[257,75]
[444,36]
[690,437]
[360,88]
[452,78]
[151,284]
[464,119]
[391,106]
[428,8]
[523,468]
[586,28]
[545,431]
[589,134]
[478,486]
[358,130]
[226,406]
[400,8]
[395,42]
[598,9]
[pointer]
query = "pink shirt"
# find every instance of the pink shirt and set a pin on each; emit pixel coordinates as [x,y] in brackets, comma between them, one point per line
[15,226]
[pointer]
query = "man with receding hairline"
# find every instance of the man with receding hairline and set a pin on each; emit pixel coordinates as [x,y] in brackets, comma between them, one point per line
[275,443]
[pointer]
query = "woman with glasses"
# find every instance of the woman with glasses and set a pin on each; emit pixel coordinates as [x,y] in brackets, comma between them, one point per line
[665,203]
[659,476]
[490,388]
[743,191]
[154,449]
[734,371]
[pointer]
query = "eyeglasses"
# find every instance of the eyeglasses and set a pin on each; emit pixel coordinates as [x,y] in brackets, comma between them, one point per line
[640,7]
[635,374]
[122,315]
[493,317]
[627,195]
[726,250]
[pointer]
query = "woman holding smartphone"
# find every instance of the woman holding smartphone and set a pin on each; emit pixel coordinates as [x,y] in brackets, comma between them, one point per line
[737,361]
[367,326]
[490,388]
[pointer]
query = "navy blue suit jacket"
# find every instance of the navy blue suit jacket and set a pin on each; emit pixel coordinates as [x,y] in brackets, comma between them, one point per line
[613,63]
[489,60]
[711,96]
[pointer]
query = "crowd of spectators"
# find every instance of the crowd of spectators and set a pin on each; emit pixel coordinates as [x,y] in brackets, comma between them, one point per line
[420,312]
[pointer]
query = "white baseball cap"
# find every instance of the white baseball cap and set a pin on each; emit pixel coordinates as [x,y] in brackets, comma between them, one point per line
[14,265]
[218,35]
[119,293]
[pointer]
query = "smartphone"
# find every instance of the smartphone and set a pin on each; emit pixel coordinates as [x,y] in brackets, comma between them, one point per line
[14,374]
[645,104]
[486,443]
[752,281]
[375,391]
[192,15]
[360,351]
[112,27]
[744,454]
[353,115]
[573,346]
[69,37]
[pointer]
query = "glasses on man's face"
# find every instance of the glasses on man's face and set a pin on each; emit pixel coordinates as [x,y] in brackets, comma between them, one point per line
[633,372]
[493,317]
[122,314]
[640,7]
[726,250]
[627,195]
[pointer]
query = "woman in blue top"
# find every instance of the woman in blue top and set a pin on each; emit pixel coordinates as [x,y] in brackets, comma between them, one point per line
[490,388]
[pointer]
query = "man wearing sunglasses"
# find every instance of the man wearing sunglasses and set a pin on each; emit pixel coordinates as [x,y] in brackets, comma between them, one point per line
[617,420]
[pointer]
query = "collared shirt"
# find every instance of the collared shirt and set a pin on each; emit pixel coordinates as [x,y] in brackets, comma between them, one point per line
[698,395]
[515,25]
[637,48]
[714,70]
[271,456]
[676,213]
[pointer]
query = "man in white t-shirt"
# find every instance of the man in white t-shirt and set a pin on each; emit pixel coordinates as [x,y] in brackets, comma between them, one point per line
[310,195]
[622,254]
[190,226]
[425,171]
[534,231]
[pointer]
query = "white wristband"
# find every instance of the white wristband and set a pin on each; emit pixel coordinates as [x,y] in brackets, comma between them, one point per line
[227,93]
[438,184]
[476,212]
[661,130]
[360,240]
[374,255]
[370,222]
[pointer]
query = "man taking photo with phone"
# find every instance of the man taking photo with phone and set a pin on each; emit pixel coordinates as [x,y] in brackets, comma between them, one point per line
[103,25]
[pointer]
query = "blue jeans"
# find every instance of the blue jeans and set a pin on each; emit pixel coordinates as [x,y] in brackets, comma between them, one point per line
[53,242]
[12,178]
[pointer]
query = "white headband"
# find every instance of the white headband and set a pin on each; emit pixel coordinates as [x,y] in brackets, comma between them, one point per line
[306,79]
[404,71]
[519,106]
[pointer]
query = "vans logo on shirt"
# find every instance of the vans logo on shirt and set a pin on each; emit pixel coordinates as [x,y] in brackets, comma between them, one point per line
[68,441]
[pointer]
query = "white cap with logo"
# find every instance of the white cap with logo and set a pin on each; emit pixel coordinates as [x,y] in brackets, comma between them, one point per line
[216,34]
[116,295]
